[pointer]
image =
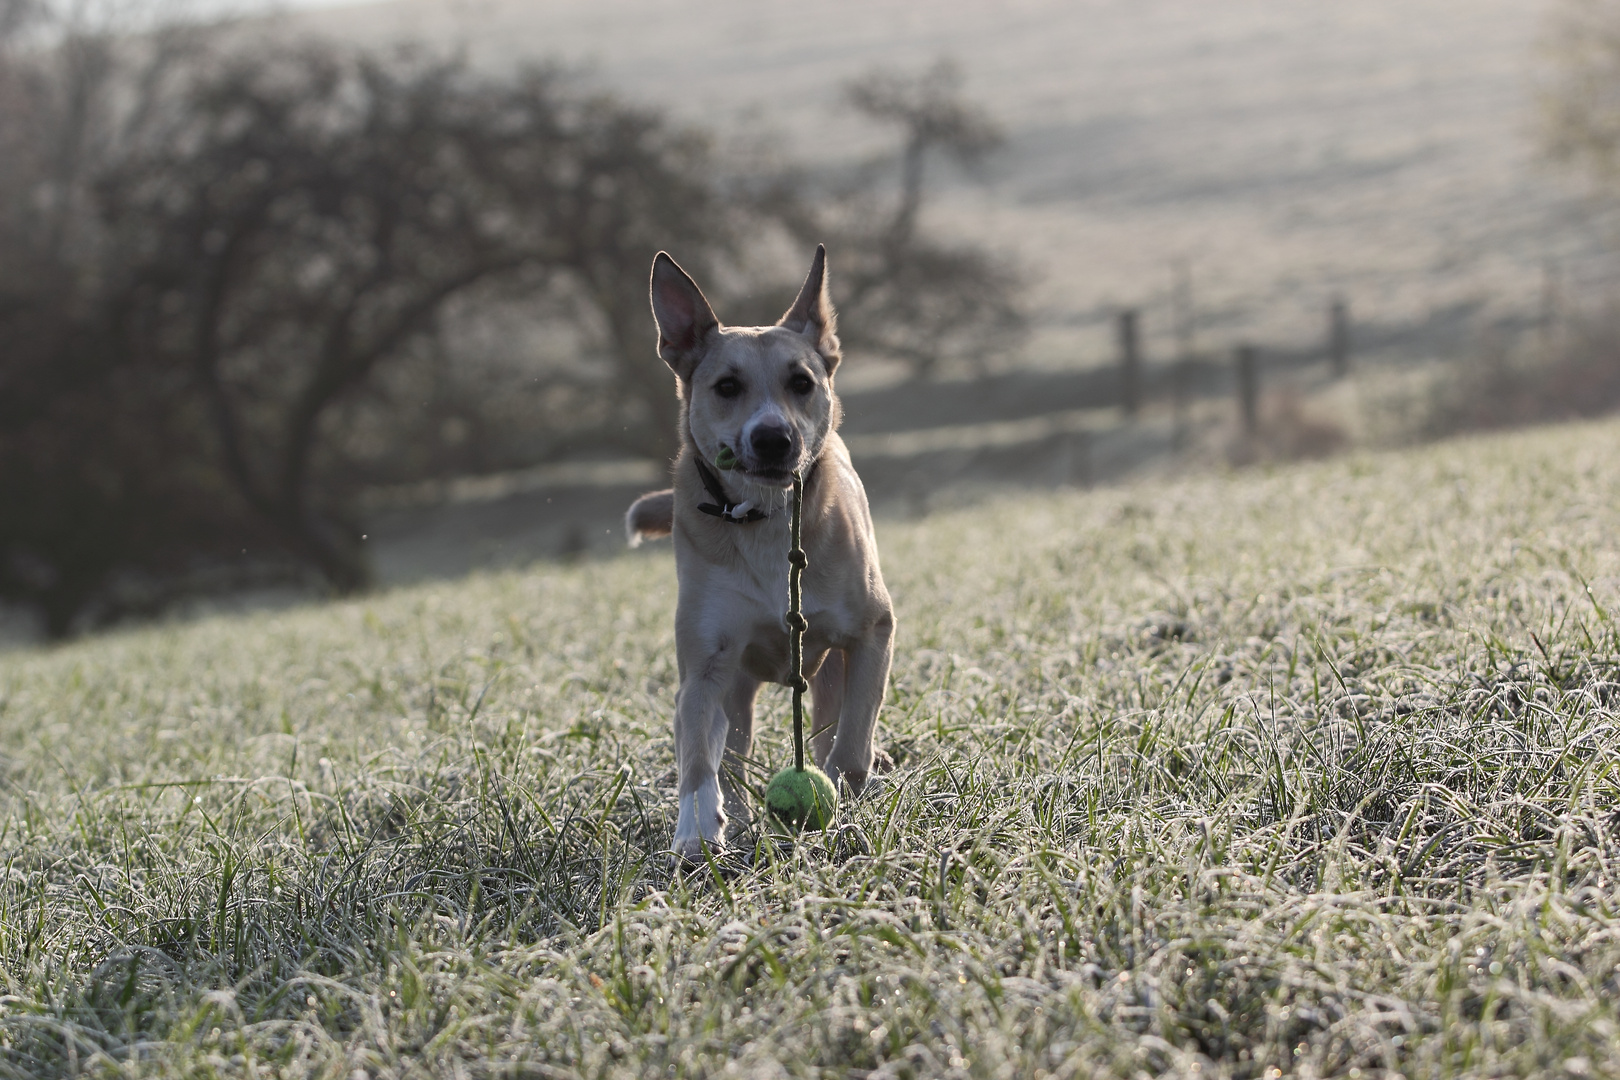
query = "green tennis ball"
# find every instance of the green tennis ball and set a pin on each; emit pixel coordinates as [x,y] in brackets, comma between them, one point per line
[725,459]
[801,798]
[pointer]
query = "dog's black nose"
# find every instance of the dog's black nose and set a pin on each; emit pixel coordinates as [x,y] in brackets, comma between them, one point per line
[771,443]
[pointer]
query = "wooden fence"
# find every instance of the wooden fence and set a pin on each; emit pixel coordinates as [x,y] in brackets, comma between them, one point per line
[1247,361]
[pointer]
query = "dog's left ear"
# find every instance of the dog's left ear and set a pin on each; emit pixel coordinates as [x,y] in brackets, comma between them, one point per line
[812,313]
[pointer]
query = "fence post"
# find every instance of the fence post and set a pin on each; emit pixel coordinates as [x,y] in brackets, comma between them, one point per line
[1339,337]
[1072,460]
[1248,387]
[1551,302]
[1181,308]
[1180,401]
[1130,363]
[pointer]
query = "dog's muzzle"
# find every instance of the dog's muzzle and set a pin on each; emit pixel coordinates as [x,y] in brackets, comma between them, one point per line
[773,453]
[772,445]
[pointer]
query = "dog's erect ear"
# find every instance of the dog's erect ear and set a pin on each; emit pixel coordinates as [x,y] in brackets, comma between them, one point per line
[685,319]
[812,313]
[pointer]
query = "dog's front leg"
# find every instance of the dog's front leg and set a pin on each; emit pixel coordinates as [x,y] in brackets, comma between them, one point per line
[700,741]
[865,679]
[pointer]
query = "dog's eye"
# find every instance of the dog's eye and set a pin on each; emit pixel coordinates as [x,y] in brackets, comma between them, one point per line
[801,383]
[728,387]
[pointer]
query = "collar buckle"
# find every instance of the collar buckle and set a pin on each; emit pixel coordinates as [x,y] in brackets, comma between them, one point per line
[736,513]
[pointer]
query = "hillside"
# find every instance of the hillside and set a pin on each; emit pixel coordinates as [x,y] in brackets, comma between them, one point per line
[1309,770]
[1383,149]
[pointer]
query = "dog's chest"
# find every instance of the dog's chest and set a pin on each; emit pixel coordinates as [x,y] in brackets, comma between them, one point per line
[763,551]
[764,580]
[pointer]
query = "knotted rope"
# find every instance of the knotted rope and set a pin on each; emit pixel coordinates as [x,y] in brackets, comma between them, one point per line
[797,623]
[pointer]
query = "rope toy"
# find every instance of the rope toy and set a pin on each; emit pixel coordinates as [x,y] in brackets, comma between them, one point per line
[803,796]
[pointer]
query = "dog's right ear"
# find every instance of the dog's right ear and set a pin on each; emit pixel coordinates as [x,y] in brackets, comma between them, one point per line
[685,319]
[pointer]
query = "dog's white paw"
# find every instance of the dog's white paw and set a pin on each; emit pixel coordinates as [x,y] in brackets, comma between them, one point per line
[847,781]
[701,822]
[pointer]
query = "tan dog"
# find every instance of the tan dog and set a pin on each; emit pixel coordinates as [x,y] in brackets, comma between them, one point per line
[757,405]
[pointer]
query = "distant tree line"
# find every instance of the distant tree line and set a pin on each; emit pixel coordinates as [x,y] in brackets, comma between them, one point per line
[241,282]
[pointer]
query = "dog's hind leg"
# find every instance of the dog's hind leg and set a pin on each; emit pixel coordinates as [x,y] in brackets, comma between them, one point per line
[866,678]
[826,701]
[739,710]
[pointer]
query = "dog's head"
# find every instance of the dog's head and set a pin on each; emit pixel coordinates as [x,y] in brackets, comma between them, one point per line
[763,393]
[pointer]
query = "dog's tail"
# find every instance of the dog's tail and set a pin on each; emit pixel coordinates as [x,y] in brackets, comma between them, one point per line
[650,516]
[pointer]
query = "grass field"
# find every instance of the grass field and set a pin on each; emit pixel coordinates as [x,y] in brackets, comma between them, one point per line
[1307,771]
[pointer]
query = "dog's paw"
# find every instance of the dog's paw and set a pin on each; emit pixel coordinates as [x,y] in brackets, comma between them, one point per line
[848,782]
[691,850]
[852,782]
[701,822]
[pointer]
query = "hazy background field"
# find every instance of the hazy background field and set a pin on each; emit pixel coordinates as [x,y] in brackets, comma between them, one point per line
[1275,155]
[1383,149]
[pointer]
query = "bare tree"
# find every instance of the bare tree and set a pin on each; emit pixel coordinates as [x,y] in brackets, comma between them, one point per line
[187,379]
[1580,96]
[903,292]
[933,118]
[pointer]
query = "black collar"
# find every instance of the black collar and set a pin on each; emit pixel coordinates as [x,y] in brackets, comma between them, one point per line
[722,507]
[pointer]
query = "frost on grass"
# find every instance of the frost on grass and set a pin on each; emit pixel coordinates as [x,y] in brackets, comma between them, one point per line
[1309,772]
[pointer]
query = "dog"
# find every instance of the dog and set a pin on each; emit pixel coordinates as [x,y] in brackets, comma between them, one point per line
[757,405]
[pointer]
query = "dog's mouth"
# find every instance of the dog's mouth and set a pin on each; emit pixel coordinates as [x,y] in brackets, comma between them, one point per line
[780,476]
[727,460]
